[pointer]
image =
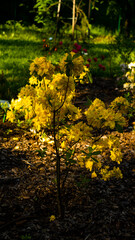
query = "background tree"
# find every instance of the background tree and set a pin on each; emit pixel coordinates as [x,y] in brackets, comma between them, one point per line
[45,12]
[58,15]
[124,10]
[73,19]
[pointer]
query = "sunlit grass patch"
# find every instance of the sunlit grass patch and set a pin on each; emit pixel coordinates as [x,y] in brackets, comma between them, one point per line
[20,45]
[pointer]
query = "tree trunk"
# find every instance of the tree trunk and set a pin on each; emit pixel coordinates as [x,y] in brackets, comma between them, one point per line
[57,21]
[59,201]
[89,12]
[73,19]
[58,10]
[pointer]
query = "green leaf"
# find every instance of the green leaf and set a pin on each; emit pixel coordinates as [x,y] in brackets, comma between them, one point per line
[90,149]
[42,153]
[49,100]
[69,157]
[90,78]
[88,103]
[91,153]
[94,159]
[84,152]
[96,153]
[4,117]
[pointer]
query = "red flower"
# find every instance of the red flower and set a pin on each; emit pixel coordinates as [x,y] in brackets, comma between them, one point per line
[77,46]
[102,57]
[75,51]
[87,65]
[85,50]
[100,66]
[60,43]
[44,40]
[95,59]
[45,45]
[88,60]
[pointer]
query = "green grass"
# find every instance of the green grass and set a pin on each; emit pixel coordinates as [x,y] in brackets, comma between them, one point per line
[19,46]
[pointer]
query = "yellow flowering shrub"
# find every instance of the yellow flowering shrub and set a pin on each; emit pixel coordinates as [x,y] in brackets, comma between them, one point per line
[99,117]
[48,98]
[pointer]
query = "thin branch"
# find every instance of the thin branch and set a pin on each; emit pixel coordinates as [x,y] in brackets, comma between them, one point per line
[64,97]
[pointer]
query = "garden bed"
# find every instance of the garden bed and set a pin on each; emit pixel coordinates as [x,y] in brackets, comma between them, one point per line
[94,209]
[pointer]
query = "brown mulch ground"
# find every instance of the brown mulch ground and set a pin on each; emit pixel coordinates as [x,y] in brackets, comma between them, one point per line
[94,210]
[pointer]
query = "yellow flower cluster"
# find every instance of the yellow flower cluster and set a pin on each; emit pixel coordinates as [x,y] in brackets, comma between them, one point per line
[79,131]
[77,68]
[130,75]
[37,103]
[120,104]
[46,92]
[41,67]
[62,83]
[111,144]
[107,174]
[99,117]
[116,155]
[21,107]
[33,80]
[76,132]
[89,163]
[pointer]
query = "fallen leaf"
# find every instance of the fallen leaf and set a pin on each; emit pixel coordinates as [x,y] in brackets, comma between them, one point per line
[16,147]
[15,138]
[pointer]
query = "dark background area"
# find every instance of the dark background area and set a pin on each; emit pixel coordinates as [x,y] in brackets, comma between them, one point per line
[14,10]
[24,10]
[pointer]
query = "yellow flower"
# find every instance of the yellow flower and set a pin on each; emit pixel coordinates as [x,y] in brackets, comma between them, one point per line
[116,155]
[33,80]
[93,175]
[81,160]
[10,116]
[89,165]
[64,144]
[52,218]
